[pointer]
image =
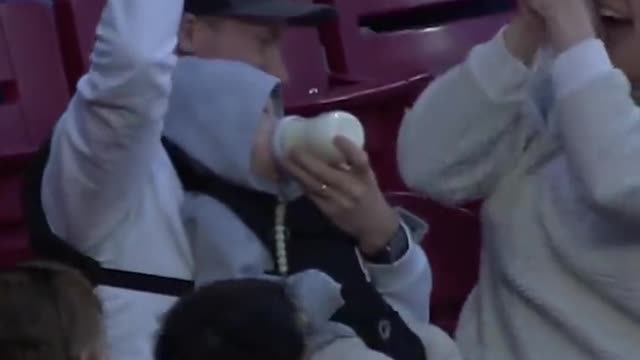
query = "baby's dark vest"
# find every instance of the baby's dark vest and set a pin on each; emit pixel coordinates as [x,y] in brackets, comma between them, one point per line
[313,243]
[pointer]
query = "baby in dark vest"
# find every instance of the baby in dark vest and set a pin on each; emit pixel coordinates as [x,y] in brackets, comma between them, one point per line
[350,261]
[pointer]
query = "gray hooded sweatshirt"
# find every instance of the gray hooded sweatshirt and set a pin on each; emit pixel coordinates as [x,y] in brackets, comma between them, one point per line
[214,113]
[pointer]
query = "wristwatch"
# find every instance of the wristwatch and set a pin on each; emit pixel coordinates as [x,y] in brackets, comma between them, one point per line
[395,249]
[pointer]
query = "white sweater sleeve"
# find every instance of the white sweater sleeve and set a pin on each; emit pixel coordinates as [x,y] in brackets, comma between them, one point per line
[465,130]
[600,129]
[104,143]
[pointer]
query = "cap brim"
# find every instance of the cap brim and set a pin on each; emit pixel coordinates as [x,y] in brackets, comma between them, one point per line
[286,11]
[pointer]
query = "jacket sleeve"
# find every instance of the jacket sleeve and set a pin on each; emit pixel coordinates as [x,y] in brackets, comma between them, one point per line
[600,129]
[465,130]
[406,285]
[104,143]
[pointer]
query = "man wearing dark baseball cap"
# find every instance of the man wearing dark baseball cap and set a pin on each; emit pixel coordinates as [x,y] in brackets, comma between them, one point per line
[245,30]
[110,196]
[113,193]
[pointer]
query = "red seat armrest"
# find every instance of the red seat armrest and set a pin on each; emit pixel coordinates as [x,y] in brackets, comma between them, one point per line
[361,94]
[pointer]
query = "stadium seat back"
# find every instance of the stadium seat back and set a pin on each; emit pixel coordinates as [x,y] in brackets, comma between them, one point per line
[365,45]
[305,59]
[33,95]
[77,21]
[32,81]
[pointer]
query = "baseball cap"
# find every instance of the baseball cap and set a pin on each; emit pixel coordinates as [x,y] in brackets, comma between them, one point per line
[288,11]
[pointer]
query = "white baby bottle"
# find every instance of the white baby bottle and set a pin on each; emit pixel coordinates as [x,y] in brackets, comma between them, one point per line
[317,134]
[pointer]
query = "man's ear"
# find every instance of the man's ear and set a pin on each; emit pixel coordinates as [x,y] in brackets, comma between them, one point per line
[186,34]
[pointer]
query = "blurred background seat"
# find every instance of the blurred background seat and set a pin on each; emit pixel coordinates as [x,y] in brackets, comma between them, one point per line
[33,95]
[76,22]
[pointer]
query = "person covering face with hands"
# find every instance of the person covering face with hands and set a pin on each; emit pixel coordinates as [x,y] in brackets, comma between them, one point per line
[546,129]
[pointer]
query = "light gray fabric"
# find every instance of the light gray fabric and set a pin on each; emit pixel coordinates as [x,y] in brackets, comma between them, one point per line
[109,189]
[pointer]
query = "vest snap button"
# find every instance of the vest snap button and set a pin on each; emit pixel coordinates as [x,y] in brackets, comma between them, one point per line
[384,329]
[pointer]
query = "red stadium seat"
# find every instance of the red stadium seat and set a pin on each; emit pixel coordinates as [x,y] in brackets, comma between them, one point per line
[33,95]
[358,50]
[380,104]
[310,76]
[453,247]
[32,78]
[305,59]
[77,21]
[14,245]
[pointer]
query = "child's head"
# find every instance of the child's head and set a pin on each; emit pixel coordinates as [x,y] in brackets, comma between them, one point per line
[233,320]
[48,312]
[620,26]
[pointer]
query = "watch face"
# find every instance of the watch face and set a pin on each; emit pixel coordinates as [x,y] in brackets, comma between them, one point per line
[395,249]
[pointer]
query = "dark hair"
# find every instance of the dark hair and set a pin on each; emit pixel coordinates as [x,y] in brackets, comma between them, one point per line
[47,312]
[233,320]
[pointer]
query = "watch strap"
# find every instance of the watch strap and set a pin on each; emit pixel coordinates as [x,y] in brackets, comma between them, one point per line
[395,249]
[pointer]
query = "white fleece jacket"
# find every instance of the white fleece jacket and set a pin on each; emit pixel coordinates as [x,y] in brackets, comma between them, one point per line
[559,276]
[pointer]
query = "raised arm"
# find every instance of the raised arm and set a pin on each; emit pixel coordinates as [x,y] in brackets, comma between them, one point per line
[465,129]
[103,147]
[599,121]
